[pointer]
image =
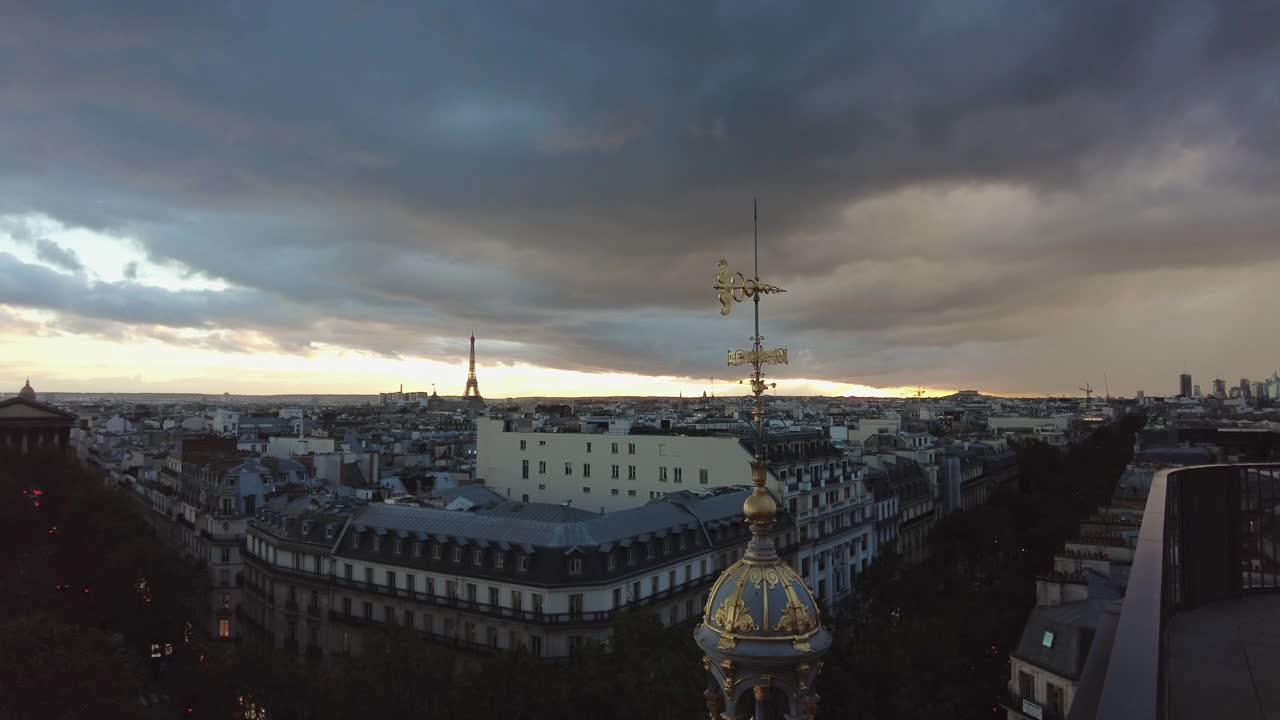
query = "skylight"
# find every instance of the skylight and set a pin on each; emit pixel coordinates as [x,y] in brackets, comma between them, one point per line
[1048,639]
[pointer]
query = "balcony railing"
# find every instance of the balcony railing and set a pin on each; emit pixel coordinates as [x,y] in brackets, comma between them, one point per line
[528,616]
[1209,533]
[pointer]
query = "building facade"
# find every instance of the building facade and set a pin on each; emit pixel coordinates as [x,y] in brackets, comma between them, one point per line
[493,580]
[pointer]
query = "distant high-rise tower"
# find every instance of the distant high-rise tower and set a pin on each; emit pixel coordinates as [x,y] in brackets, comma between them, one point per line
[473,386]
[1184,384]
[1196,392]
[1246,389]
[1219,388]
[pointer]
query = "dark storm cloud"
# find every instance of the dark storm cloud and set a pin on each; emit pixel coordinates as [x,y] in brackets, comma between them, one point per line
[565,175]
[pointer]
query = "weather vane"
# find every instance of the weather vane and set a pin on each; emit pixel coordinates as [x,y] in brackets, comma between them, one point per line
[733,287]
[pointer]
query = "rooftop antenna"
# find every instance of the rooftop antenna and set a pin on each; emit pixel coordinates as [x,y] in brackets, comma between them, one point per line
[1106,386]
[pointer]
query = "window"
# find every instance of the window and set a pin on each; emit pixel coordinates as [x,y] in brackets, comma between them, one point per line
[613,472]
[611,560]
[377,543]
[586,470]
[653,585]
[702,568]
[684,537]
[666,545]
[499,560]
[457,554]
[631,556]
[524,497]
[542,443]
[472,593]
[346,606]
[631,472]
[1047,640]
[435,552]
[522,563]
[494,600]
[1054,697]
[537,603]
[431,587]
[613,448]
[648,551]
[224,628]
[542,467]
[702,477]
[391,580]
[586,490]
[679,475]
[477,557]
[524,444]
[575,605]
[588,447]
[535,646]
[542,486]
[417,548]
[226,601]
[671,579]
[524,469]
[575,566]
[368,611]
[226,555]
[613,491]
[688,573]
[428,623]
[397,546]
[617,597]
[1026,685]
[662,474]
[388,613]
[631,448]
[408,618]
[631,493]
[368,575]
[491,636]
[517,600]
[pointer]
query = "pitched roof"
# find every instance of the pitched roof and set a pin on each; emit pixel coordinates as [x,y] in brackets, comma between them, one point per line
[36,405]
[674,513]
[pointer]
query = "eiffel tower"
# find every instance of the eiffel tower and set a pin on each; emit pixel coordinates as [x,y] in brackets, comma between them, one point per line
[473,386]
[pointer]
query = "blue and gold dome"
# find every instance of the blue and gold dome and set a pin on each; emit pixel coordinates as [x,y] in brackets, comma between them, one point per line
[761,598]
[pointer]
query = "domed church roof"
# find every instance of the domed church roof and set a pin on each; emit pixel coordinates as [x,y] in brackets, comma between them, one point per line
[27,392]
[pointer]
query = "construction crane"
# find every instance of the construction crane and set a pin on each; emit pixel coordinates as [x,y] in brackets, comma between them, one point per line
[919,392]
[1106,386]
[1088,395]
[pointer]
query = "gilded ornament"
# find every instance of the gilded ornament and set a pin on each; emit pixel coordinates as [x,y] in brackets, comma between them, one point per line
[734,287]
[796,619]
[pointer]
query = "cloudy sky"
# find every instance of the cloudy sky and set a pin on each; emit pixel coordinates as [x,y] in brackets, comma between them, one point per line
[1018,197]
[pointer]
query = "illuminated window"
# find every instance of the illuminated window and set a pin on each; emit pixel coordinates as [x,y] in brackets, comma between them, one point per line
[224,628]
[1047,641]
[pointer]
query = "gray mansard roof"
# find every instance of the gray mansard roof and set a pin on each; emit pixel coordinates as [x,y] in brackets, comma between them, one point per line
[506,526]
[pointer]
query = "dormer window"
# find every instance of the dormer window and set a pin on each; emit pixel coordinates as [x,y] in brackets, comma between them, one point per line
[355,540]
[612,561]
[522,563]
[397,546]
[575,566]
[684,540]
[631,556]
[499,560]
[648,551]
[436,552]
[417,548]
[457,554]
[377,543]
[666,545]
[477,557]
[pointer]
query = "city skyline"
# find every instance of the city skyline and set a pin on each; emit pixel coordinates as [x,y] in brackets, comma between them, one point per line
[289,199]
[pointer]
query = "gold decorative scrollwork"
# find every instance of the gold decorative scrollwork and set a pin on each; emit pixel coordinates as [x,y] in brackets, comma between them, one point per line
[796,618]
[776,356]
[734,287]
[734,617]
